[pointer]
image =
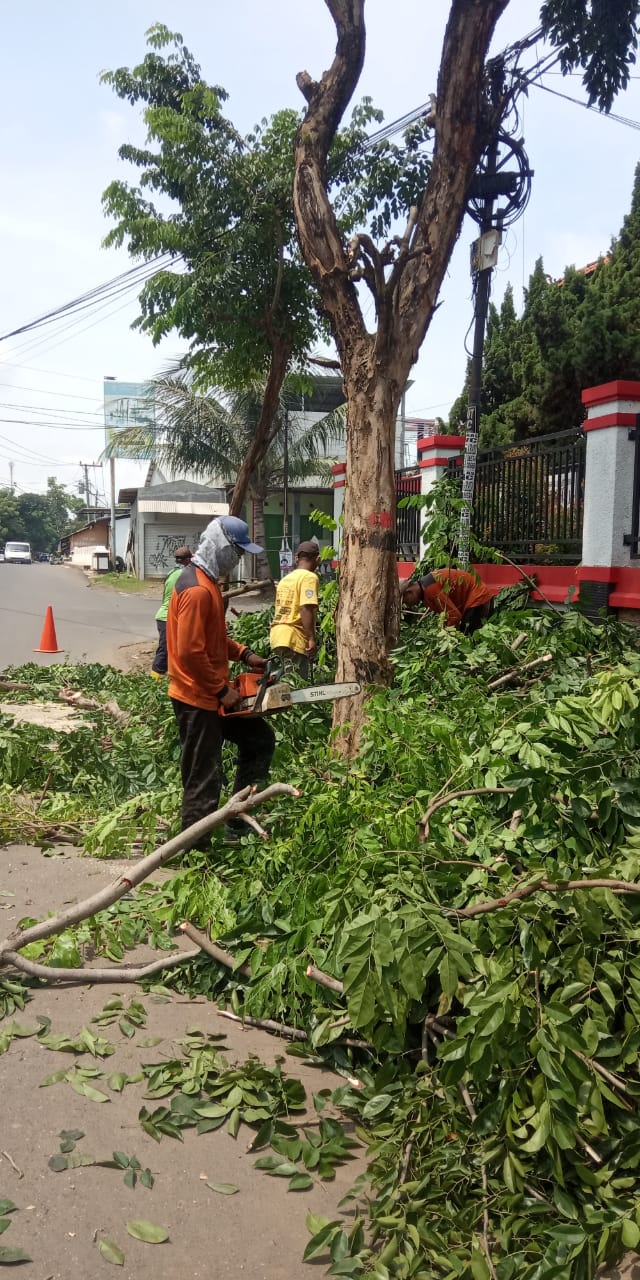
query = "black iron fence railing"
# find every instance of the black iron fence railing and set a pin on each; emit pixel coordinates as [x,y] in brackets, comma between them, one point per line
[632,539]
[529,497]
[407,518]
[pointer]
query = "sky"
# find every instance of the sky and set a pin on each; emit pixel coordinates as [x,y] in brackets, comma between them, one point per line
[59,134]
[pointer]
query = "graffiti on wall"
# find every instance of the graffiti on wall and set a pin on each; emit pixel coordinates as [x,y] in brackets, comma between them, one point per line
[167,544]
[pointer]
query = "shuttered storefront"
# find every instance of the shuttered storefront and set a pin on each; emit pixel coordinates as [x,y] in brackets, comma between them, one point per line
[161,541]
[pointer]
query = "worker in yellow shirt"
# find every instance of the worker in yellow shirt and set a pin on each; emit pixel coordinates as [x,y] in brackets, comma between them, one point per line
[293,630]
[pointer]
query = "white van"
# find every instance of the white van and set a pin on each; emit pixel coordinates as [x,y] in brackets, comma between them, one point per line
[17,553]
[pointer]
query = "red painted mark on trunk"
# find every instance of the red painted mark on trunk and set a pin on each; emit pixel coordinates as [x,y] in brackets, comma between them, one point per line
[379,519]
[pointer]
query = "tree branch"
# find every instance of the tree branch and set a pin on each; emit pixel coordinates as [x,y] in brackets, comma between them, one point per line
[441,800]
[212,949]
[267,427]
[516,672]
[114,975]
[325,979]
[320,239]
[542,886]
[242,802]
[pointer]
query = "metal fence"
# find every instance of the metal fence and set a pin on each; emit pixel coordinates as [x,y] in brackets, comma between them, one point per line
[529,498]
[408,518]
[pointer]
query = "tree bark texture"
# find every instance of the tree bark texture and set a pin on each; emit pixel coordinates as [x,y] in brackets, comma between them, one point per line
[405,287]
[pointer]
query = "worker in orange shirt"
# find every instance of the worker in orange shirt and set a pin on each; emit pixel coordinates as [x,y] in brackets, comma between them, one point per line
[465,601]
[199,652]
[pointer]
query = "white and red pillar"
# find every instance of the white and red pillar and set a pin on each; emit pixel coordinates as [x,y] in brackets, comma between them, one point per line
[609,576]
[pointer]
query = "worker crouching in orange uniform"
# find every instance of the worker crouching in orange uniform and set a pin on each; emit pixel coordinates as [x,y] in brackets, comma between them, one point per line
[465,601]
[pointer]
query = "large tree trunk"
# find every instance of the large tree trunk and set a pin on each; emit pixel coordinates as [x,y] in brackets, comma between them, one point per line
[404,279]
[368,609]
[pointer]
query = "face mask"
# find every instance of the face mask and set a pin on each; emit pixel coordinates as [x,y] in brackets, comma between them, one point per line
[215,554]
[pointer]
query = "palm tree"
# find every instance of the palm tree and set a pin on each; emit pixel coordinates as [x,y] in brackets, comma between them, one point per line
[209,435]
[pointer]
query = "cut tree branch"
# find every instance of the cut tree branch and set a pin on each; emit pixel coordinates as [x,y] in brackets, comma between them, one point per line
[516,672]
[212,949]
[542,886]
[325,979]
[72,698]
[115,975]
[242,802]
[441,800]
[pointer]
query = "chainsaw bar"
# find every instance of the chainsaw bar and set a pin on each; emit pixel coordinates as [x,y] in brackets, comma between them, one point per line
[324,692]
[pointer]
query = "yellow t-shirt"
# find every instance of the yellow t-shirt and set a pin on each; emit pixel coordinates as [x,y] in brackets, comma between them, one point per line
[300,587]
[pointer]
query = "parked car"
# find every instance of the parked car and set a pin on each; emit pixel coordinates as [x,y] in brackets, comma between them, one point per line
[42,557]
[17,552]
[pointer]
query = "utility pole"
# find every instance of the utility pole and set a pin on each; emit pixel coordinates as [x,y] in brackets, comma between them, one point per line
[95,466]
[286,554]
[112,487]
[484,255]
[492,182]
[11,484]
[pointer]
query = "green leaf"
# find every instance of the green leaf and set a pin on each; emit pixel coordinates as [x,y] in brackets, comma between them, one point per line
[320,1241]
[147,1231]
[58,1163]
[4,1224]
[479,1266]
[130,1178]
[448,974]
[147,1179]
[121,1159]
[223,1188]
[300,1182]
[10,1256]
[630,1233]
[111,1252]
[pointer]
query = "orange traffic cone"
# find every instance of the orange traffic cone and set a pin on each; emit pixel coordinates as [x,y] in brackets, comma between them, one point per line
[48,639]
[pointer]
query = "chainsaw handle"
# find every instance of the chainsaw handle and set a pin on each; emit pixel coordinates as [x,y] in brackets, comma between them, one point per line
[271,674]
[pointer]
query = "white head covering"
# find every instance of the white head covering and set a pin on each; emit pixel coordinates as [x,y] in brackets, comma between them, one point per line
[216,556]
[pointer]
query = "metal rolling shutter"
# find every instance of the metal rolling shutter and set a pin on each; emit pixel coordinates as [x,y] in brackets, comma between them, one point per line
[161,541]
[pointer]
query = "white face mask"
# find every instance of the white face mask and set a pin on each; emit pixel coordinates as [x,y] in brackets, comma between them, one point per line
[216,555]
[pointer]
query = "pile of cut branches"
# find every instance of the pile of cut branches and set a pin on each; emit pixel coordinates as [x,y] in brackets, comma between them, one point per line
[454,919]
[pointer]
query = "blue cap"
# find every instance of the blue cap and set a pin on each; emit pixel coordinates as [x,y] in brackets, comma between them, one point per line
[237,531]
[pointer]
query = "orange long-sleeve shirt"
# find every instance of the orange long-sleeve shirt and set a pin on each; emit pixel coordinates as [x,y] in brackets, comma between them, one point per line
[198,646]
[452,591]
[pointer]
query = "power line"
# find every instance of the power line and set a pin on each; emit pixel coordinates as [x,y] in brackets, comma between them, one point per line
[68,395]
[578,102]
[108,289]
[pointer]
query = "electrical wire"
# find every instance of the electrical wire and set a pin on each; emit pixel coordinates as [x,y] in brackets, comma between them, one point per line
[109,288]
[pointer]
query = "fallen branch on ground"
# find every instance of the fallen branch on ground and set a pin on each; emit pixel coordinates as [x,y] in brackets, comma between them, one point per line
[324,979]
[71,697]
[542,886]
[517,672]
[242,802]
[441,800]
[212,949]
[114,975]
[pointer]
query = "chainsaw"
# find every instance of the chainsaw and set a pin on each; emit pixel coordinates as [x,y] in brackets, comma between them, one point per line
[263,695]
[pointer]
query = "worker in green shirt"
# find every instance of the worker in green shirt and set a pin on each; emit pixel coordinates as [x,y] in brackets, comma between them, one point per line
[183,558]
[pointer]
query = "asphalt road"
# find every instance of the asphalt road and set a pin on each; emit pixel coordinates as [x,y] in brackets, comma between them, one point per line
[91,622]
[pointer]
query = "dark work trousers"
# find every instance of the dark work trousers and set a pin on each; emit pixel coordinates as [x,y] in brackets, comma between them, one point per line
[160,662]
[202,734]
[474,617]
[292,660]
